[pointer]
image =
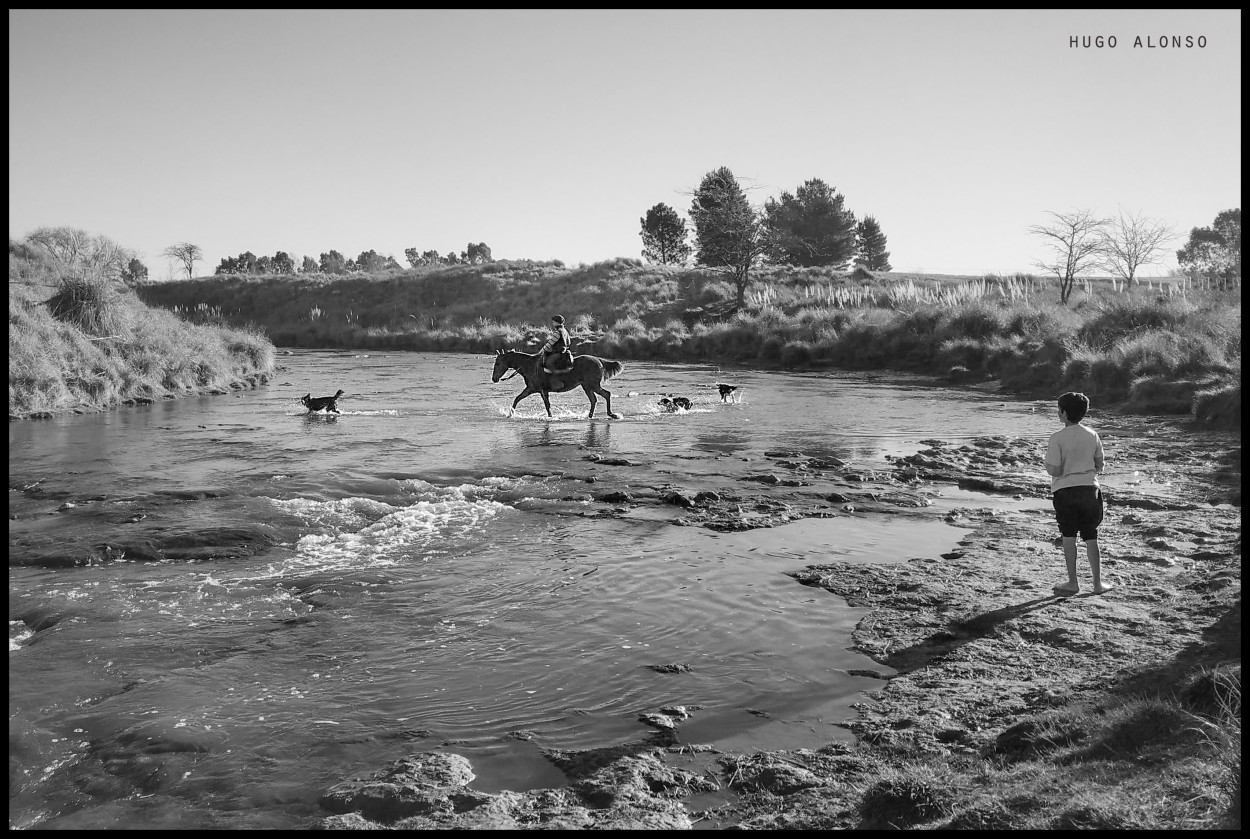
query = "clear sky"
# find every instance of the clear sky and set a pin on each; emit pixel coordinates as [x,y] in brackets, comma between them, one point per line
[548,134]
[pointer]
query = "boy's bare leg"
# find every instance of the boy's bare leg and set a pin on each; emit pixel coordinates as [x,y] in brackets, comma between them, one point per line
[1072,586]
[1095,566]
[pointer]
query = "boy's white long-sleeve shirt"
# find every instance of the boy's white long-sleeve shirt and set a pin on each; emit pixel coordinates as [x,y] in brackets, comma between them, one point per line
[1074,457]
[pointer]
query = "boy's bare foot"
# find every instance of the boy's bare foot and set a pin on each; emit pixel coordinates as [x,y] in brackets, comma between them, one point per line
[1103,587]
[1066,588]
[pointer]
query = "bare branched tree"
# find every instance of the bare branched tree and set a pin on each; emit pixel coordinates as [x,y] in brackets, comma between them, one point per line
[105,258]
[186,253]
[1131,241]
[62,243]
[82,255]
[1075,241]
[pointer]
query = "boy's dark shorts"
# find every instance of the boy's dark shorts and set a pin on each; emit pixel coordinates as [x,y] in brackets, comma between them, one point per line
[1078,511]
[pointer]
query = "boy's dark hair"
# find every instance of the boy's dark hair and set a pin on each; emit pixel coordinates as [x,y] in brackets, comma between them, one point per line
[1075,405]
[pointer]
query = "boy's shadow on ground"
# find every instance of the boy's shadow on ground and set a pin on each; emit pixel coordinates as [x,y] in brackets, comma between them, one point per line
[940,643]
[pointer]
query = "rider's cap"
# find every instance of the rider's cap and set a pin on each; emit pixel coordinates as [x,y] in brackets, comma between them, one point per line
[557,318]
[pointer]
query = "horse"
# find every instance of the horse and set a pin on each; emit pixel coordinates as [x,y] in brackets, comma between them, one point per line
[587,371]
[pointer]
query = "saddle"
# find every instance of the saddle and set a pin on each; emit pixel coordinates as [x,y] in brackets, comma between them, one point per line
[552,364]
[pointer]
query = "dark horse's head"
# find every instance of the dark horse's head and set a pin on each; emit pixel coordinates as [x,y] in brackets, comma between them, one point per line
[501,365]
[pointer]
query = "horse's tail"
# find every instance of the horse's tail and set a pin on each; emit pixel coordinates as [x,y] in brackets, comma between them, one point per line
[611,368]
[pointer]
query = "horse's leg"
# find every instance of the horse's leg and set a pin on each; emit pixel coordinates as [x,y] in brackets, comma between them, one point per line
[528,391]
[590,394]
[607,397]
[546,400]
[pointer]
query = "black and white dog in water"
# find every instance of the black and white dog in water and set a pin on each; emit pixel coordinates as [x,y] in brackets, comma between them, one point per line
[321,403]
[726,391]
[672,404]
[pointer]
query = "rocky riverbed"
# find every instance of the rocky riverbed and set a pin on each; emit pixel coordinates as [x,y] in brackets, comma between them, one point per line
[972,645]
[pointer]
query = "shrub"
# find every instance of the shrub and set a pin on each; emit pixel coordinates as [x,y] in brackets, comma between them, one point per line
[1039,322]
[923,321]
[767,319]
[629,326]
[1219,405]
[1036,366]
[1155,394]
[964,353]
[796,354]
[1121,317]
[976,320]
[90,304]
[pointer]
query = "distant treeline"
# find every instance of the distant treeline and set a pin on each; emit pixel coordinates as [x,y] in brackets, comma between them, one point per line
[334,263]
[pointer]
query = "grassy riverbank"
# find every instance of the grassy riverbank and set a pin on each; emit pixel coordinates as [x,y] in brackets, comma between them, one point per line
[1156,347]
[92,345]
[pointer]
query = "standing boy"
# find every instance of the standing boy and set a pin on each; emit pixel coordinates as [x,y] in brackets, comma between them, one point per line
[1073,460]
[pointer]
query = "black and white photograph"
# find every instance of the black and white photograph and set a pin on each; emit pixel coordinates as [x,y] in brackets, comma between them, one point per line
[624,419]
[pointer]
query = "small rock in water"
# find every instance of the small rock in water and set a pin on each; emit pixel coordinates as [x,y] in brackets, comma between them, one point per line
[681,712]
[660,721]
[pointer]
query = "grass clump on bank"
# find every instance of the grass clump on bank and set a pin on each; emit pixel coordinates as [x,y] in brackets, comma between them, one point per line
[92,346]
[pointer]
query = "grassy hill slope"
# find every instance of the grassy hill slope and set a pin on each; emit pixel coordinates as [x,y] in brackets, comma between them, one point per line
[83,345]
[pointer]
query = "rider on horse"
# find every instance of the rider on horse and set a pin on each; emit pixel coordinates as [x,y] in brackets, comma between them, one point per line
[560,358]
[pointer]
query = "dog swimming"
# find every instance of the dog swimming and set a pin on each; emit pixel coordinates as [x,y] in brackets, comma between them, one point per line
[672,404]
[329,404]
[726,391]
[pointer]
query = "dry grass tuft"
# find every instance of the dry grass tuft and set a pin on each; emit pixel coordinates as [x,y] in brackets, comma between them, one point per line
[91,304]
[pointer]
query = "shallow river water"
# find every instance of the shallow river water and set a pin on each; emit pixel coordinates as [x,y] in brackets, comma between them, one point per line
[219,607]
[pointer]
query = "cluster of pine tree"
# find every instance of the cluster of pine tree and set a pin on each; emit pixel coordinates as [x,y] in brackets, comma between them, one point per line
[809,227]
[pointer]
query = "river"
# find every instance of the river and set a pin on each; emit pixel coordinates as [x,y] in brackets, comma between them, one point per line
[219,607]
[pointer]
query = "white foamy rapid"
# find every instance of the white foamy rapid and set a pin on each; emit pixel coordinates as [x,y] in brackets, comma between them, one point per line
[356,533]
[18,634]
